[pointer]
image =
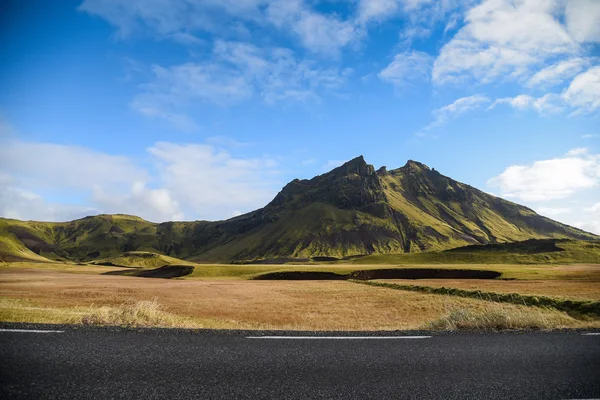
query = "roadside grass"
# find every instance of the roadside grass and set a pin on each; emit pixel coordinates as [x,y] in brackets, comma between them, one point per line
[505,317]
[134,314]
[130,314]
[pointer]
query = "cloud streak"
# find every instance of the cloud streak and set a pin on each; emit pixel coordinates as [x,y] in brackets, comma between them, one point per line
[406,68]
[546,180]
[453,110]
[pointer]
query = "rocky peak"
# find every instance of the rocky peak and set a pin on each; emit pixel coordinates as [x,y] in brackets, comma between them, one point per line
[415,166]
[356,166]
[382,171]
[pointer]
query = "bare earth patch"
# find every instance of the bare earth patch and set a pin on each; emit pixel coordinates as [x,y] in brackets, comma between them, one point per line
[31,295]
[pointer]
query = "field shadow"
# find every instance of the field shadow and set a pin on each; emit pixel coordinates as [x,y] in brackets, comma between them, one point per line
[391,273]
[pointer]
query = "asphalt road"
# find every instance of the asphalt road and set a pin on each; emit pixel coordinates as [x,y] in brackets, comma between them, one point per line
[176,364]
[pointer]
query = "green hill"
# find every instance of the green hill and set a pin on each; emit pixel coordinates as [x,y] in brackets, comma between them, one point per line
[140,259]
[351,210]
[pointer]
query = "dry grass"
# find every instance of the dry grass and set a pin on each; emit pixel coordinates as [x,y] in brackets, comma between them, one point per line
[60,297]
[132,314]
[500,318]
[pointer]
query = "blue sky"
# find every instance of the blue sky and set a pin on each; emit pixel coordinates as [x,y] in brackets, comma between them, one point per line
[189,109]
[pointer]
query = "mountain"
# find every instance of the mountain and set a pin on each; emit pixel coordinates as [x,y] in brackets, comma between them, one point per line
[351,210]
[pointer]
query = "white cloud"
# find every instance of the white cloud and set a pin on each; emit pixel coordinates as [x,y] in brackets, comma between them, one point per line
[592,219]
[584,90]
[376,9]
[589,136]
[589,226]
[152,204]
[548,103]
[324,34]
[546,180]
[213,183]
[407,67]
[503,38]
[53,165]
[582,18]
[236,72]
[521,102]
[22,204]
[57,170]
[187,180]
[582,95]
[461,106]
[557,73]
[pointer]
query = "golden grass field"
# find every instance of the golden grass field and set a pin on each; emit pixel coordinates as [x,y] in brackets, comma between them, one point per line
[218,296]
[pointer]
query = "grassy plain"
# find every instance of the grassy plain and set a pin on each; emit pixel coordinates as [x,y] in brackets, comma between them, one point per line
[31,295]
[222,296]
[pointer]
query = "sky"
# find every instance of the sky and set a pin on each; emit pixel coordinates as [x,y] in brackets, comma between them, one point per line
[205,109]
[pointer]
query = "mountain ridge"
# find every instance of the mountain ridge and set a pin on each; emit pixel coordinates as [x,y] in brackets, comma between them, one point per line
[352,209]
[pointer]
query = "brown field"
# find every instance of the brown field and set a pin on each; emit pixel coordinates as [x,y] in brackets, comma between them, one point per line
[38,295]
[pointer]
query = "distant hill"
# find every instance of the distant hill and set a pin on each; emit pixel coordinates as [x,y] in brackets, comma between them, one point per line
[351,210]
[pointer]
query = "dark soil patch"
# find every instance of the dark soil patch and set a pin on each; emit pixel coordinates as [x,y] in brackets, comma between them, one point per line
[324,259]
[167,272]
[424,273]
[107,264]
[277,261]
[302,276]
[93,254]
[398,273]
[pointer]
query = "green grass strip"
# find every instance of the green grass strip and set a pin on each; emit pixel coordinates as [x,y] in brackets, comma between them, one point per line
[573,307]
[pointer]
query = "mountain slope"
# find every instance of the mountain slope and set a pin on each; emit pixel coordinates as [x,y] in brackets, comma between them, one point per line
[350,210]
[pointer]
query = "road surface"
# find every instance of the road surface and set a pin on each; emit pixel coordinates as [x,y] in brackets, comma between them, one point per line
[105,363]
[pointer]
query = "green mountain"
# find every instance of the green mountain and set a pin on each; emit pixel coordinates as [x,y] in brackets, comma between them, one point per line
[351,210]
